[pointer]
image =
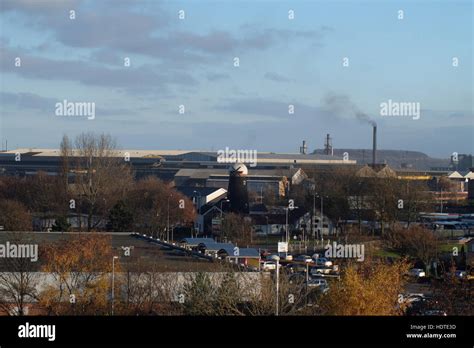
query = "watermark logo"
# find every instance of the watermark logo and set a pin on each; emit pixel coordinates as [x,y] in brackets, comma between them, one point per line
[9,250]
[68,108]
[346,251]
[37,331]
[237,156]
[403,109]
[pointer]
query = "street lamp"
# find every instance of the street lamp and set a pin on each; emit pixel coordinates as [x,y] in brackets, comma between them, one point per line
[168,220]
[277,259]
[287,233]
[113,282]
[224,200]
[198,202]
[322,214]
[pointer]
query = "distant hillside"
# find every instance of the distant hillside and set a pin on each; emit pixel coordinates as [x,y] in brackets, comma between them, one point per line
[396,159]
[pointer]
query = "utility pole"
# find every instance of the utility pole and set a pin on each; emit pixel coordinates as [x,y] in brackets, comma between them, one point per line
[322,216]
[113,282]
[277,284]
[168,221]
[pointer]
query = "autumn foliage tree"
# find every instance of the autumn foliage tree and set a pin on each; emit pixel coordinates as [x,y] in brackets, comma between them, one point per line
[152,203]
[14,216]
[80,269]
[416,242]
[368,288]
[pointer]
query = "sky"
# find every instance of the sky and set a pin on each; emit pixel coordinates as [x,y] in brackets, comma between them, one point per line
[335,62]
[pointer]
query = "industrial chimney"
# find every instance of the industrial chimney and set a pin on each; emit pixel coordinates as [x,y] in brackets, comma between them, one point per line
[374,146]
[304,148]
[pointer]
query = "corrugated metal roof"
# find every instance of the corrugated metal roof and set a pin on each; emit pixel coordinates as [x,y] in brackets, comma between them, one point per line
[243,252]
[207,172]
[214,246]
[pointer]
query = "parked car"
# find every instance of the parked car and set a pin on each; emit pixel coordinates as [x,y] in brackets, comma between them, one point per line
[273,257]
[434,312]
[304,258]
[320,270]
[322,261]
[417,273]
[410,298]
[458,274]
[268,266]
[295,268]
[318,283]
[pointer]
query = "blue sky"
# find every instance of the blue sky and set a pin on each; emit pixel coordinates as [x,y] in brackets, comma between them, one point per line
[282,62]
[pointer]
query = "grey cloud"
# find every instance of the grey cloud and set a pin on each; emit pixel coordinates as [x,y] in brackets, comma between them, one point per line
[276,77]
[38,6]
[122,29]
[27,101]
[36,102]
[141,78]
[217,76]
[274,108]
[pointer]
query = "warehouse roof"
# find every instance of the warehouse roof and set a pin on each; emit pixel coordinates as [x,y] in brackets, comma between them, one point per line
[204,173]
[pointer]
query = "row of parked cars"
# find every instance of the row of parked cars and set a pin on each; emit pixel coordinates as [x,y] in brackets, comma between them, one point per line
[419,273]
[313,271]
[299,263]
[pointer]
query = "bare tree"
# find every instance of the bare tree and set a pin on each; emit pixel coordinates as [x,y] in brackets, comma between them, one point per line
[18,282]
[102,177]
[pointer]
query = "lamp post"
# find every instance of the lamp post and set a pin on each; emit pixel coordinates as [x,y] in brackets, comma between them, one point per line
[277,258]
[113,282]
[168,220]
[287,232]
[224,200]
[197,197]
[322,214]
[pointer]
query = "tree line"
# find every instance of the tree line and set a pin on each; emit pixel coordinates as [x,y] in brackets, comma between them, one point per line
[96,190]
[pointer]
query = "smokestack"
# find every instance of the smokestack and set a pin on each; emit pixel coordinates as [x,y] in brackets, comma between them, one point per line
[374,146]
[304,148]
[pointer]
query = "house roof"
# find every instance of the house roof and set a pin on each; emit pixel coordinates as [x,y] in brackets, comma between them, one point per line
[366,172]
[469,175]
[386,172]
[243,252]
[192,191]
[455,175]
[214,246]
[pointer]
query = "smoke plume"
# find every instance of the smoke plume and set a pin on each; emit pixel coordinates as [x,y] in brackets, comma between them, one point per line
[341,105]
